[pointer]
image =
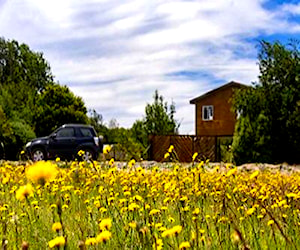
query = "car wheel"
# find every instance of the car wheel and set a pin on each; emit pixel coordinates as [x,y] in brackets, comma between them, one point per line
[87,155]
[38,155]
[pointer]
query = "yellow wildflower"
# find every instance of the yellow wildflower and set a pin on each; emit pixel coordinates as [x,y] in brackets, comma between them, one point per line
[193,235]
[291,195]
[171,219]
[41,172]
[250,211]
[111,162]
[173,231]
[254,174]
[194,156]
[105,224]
[65,206]
[231,172]
[158,244]
[166,155]
[171,148]
[80,152]
[56,226]
[132,224]
[103,236]
[154,211]
[270,222]
[131,163]
[184,245]
[102,210]
[196,211]
[137,198]
[24,191]
[133,206]
[91,241]
[106,149]
[56,242]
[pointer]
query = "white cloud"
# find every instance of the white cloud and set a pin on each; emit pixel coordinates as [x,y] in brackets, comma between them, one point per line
[292,8]
[115,53]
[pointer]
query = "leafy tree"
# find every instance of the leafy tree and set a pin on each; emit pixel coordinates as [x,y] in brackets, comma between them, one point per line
[159,119]
[268,129]
[139,133]
[125,143]
[5,132]
[18,64]
[96,120]
[23,74]
[13,135]
[57,105]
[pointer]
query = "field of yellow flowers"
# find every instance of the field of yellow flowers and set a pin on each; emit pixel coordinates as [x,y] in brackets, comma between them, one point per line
[96,205]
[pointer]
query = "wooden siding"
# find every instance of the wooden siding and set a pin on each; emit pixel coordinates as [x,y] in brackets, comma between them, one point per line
[223,118]
[184,147]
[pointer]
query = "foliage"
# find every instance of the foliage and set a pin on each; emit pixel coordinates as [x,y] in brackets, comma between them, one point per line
[20,65]
[14,133]
[159,118]
[126,143]
[133,142]
[22,133]
[139,133]
[57,105]
[268,129]
[96,120]
[97,205]
[29,99]
[23,73]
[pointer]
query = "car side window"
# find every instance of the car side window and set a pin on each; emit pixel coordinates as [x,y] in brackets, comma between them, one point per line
[65,132]
[86,132]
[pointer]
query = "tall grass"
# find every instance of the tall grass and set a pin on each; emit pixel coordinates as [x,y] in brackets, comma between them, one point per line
[99,206]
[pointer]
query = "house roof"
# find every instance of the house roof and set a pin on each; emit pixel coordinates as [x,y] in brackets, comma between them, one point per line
[227,85]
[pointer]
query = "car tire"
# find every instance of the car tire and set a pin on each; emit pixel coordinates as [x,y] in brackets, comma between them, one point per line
[88,155]
[38,155]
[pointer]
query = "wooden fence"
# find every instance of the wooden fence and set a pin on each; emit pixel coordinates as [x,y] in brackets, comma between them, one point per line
[184,147]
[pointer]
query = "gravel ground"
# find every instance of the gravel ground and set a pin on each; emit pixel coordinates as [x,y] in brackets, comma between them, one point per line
[245,167]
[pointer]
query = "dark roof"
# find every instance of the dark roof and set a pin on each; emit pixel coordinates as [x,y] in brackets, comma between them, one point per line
[227,85]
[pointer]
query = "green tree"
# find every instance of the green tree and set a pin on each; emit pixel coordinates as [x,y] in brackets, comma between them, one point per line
[139,133]
[57,105]
[23,74]
[159,119]
[268,129]
[96,120]
[6,132]
[18,64]
[125,143]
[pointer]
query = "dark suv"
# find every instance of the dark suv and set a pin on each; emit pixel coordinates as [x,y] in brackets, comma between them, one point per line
[65,142]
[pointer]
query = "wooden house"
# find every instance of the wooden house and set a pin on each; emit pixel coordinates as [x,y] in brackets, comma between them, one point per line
[214,116]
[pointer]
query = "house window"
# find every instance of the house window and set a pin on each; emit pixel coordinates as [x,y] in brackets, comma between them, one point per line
[207,113]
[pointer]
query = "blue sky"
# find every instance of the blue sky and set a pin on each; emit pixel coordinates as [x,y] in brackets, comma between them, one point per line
[116,53]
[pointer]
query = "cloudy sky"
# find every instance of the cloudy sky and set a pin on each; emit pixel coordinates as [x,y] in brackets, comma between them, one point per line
[116,53]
